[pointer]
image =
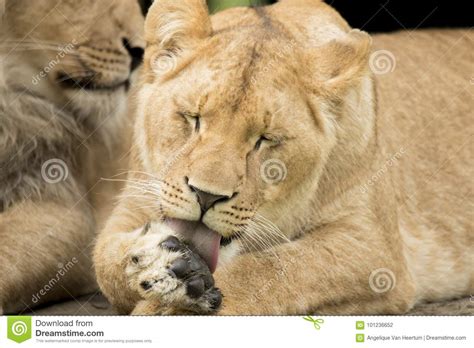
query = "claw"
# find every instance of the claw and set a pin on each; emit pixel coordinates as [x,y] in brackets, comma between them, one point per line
[146,285]
[215,299]
[172,243]
[146,228]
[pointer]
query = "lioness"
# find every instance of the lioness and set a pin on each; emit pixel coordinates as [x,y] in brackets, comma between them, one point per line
[264,151]
[66,70]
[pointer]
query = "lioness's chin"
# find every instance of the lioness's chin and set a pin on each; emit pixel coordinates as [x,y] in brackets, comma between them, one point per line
[95,96]
[97,106]
[228,252]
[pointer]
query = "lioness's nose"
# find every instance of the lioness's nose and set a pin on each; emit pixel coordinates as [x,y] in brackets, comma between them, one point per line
[207,200]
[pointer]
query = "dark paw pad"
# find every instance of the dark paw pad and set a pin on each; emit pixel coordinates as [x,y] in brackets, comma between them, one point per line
[180,268]
[193,271]
[172,243]
[195,287]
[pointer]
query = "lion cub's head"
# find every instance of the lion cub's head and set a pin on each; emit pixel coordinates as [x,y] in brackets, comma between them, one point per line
[79,54]
[242,115]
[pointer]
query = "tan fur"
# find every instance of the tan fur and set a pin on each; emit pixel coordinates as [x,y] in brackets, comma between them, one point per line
[45,226]
[376,179]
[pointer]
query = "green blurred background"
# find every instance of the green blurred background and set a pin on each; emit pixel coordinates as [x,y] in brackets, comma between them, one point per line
[218,5]
[379,15]
[215,5]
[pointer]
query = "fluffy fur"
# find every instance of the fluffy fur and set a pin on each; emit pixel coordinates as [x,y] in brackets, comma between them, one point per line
[369,212]
[63,85]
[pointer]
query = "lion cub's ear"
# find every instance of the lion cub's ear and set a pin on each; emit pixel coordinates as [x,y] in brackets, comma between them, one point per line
[342,61]
[173,27]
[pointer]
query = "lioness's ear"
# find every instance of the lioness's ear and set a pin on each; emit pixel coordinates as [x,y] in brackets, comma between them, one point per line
[173,27]
[342,60]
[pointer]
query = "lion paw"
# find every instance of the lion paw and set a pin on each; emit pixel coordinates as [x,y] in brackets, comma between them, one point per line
[163,268]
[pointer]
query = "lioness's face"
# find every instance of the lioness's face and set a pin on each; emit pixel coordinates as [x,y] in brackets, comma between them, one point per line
[80,53]
[230,134]
[237,122]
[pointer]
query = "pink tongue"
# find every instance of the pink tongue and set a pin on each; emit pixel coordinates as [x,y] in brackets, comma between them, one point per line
[203,239]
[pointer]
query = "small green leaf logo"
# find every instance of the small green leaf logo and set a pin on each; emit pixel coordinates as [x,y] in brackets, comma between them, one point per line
[19,329]
[316,322]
